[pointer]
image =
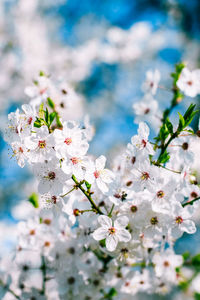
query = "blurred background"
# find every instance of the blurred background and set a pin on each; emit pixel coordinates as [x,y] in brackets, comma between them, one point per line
[103,50]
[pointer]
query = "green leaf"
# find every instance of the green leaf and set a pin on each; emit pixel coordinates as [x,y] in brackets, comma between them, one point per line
[41,110]
[185,120]
[164,157]
[164,132]
[112,292]
[190,131]
[184,285]
[178,69]
[34,200]
[197,296]
[186,255]
[38,123]
[50,103]
[35,82]
[88,185]
[189,120]
[169,126]
[46,115]
[181,122]
[196,260]
[58,122]
[41,73]
[103,243]
[52,117]
[189,111]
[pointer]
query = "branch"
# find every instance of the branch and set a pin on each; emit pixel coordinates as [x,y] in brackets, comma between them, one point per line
[88,195]
[191,202]
[43,269]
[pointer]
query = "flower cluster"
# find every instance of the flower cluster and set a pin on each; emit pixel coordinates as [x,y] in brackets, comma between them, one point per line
[97,233]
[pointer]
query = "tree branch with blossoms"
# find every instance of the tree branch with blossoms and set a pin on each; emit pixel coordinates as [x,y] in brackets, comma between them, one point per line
[129,217]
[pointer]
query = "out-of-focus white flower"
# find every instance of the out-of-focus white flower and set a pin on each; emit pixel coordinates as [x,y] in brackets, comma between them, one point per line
[166,263]
[189,82]
[151,83]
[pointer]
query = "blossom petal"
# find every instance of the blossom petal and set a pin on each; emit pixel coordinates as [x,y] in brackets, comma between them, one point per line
[105,221]
[123,235]
[100,233]
[188,226]
[89,177]
[100,162]
[143,130]
[111,242]
[101,185]
[121,222]
[44,186]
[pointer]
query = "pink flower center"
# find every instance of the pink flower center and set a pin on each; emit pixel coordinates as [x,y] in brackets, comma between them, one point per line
[160,194]
[154,221]
[194,195]
[74,160]
[112,230]
[68,141]
[151,84]
[54,199]
[166,263]
[76,212]
[190,82]
[179,220]
[21,150]
[41,144]
[52,175]
[42,91]
[144,143]
[185,146]
[147,110]
[96,174]
[145,176]
[127,283]
[133,208]
[30,120]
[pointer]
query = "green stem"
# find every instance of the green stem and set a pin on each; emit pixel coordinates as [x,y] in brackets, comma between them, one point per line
[87,194]
[43,269]
[9,290]
[164,147]
[110,213]
[177,97]
[159,165]
[74,188]
[13,293]
[191,202]
[86,210]
[168,111]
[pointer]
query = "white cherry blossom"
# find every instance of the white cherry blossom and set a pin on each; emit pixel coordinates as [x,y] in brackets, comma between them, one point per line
[140,141]
[181,220]
[96,172]
[166,263]
[70,140]
[188,82]
[151,83]
[40,145]
[20,152]
[113,233]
